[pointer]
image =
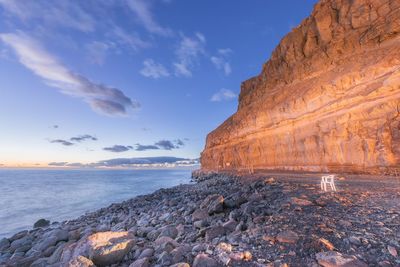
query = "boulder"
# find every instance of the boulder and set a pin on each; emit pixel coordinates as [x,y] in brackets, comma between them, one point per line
[104,248]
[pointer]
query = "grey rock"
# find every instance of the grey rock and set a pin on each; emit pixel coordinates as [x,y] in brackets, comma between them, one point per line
[169,231]
[214,231]
[145,262]
[41,223]
[202,260]
[4,244]
[146,253]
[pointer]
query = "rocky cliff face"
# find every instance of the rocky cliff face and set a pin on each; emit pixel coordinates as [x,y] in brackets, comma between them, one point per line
[327,100]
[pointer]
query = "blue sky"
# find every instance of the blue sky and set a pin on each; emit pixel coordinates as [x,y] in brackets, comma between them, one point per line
[84,81]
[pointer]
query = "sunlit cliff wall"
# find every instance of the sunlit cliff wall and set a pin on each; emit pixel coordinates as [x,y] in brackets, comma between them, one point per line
[327,100]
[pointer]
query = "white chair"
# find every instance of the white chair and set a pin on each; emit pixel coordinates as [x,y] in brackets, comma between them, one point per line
[328,180]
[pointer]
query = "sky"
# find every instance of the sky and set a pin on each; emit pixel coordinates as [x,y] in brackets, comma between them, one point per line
[87,81]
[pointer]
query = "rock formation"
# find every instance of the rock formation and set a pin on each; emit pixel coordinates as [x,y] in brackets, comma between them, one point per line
[327,100]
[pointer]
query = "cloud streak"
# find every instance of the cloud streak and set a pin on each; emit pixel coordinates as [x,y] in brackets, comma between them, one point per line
[102,99]
[188,53]
[118,148]
[142,9]
[62,142]
[160,145]
[221,61]
[154,70]
[84,137]
[223,95]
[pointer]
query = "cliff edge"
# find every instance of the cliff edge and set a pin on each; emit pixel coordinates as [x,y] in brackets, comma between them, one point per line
[328,99]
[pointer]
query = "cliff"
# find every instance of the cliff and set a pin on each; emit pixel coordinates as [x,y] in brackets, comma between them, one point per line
[327,100]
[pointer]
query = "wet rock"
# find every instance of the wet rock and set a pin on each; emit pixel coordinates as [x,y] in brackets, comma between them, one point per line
[336,259]
[41,223]
[287,237]
[203,260]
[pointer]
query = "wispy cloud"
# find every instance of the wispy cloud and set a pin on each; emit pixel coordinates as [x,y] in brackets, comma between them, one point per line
[62,142]
[130,39]
[162,144]
[142,9]
[101,98]
[154,70]
[97,52]
[59,13]
[188,53]
[58,164]
[118,148]
[73,140]
[223,95]
[140,147]
[221,60]
[84,137]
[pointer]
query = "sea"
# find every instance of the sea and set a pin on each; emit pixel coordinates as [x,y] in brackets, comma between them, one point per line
[27,195]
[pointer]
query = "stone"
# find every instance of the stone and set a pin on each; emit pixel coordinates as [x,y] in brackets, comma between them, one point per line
[103,248]
[169,231]
[81,261]
[200,214]
[213,204]
[4,244]
[313,106]
[203,260]
[336,259]
[326,243]
[392,251]
[287,237]
[146,253]
[213,232]
[144,262]
[181,264]
[41,223]
[300,201]
[51,239]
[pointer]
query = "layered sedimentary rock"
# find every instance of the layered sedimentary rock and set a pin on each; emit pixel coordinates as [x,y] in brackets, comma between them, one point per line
[327,100]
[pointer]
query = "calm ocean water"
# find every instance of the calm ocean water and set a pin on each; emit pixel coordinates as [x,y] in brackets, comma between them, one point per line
[28,195]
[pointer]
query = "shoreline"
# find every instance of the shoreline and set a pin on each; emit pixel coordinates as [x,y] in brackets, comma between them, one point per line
[262,220]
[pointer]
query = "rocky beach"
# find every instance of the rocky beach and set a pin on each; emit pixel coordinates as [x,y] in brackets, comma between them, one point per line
[227,220]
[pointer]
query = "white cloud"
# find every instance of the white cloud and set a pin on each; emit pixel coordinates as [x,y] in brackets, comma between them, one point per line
[101,98]
[142,10]
[153,70]
[221,61]
[188,53]
[223,95]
